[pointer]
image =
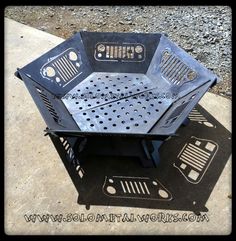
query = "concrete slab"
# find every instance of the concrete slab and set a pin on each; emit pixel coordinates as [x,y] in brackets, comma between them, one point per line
[36,181]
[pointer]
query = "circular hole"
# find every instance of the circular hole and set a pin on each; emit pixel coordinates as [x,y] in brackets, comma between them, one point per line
[105,113]
[107,76]
[99,78]
[156,110]
[102,94]
[137,78]
[159,102]
[155,97]
[114,110]
[118,116]
[97,116]
[80,108]
[134,97]
[93,111]
[110,92]
[126,87]
[131,119]
[91,81]
[122,94]
[118,78]
[163,193]
[98,102]
[151,105]
[110,105]
[95,85]
[84,113]
[111,190]
[123,122]
[109,119]
[136,124]
[106,99]
[126,100]
[140,116]
[144,107]
[122,107]
[139,102]
[98,90]
[114,85]
[100,122]
[131,105]
[141,83]
[154,183]
[127,113]
[118,89]
[88,119]
[91,125]
[149,113]
[150,93]
[118,103]
[90,92]
[76,103]
[145,87]
[135,110]
[130,92]
[87,88]
[89,105]
[82,95]
[101,108]
[105,128]
[106,87]
[114,125]
[125,76]
[133,84]
[78,90]
[85,100]
[145,121]
[138,89]
[147,99]
[127,127]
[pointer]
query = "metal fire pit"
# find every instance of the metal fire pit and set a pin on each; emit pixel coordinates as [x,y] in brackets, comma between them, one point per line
[114,83]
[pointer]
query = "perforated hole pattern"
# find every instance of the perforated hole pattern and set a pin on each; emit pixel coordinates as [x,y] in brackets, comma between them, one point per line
[112,102]
[102,88]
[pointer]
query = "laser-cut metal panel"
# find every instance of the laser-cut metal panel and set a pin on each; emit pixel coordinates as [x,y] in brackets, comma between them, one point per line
[61,68]
[135,56]
[181,71]
[51,108]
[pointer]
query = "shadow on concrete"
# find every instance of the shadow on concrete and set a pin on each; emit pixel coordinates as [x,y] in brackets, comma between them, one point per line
[190,165]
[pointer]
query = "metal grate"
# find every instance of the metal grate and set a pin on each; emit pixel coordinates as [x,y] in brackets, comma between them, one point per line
[111,102]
